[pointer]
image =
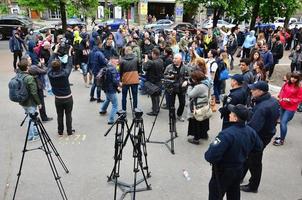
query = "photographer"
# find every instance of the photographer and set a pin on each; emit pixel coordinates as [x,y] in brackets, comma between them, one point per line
[60,66]
[177,72]
[237,95]
[154,72]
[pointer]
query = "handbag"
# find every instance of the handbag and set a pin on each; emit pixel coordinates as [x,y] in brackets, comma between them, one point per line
[203,112]
[151,88]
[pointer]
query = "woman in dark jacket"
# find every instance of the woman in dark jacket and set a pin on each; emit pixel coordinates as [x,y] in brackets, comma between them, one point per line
[296,58]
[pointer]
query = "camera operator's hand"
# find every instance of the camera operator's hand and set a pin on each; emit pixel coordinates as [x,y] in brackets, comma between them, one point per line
[184,84]
[40,106]
[146,58]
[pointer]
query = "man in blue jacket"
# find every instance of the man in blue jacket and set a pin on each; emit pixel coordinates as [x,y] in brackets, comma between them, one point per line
[263,121]
[111,86]
[96,61]
[16,45]
[228,153]
[267,57]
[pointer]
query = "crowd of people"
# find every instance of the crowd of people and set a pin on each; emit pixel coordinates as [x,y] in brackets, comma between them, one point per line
[193,67]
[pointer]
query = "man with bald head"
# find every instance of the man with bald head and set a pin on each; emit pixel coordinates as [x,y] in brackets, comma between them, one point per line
[177,71]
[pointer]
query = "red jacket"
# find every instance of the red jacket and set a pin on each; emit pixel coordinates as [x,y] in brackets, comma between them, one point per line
[293,94]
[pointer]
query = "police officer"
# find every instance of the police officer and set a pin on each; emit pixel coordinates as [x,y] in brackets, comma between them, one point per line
[228,153]
[263,121]
[236,96]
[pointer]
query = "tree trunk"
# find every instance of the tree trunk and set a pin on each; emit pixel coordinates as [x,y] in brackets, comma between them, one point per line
[216,14]
[286,21]
[105,8]
[63,15]
[255,12]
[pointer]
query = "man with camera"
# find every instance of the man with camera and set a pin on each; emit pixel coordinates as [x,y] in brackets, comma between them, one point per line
[111,86]
[154,72]
[178,73]
[60,66]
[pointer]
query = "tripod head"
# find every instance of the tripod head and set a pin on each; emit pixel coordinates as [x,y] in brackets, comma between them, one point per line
[33,116]
[121,117]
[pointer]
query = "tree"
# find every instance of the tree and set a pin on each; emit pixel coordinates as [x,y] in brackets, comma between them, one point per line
[126,5]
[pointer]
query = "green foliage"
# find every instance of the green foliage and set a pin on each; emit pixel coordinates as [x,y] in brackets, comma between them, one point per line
[3,9]
[39,5]
[125,4]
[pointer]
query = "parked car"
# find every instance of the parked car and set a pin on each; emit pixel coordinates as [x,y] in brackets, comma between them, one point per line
[114,24]
[159,24]
[265,26]
[293,25]
[22,17]
[279,22]
[182,27]
[7,25]
[73,22]
[209,24]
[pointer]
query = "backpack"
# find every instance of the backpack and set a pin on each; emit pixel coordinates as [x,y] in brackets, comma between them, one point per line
[17,89]
[101,78]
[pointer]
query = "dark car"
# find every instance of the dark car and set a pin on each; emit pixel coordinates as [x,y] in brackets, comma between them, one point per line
[114,24]
[182,27]
[159,24]
[22,17]
[73,22]
[7,25]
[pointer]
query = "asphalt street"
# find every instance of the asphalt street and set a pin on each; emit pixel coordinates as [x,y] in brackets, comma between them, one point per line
[89,155]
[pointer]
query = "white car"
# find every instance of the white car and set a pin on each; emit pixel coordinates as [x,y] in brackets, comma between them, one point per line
[162,23]
[209,24]
[299,25]
[280,22]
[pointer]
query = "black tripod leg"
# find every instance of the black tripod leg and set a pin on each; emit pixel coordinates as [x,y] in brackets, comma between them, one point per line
[143,143]
[47,151]
[49,141]
[172,127]
[22,159]
[161,102]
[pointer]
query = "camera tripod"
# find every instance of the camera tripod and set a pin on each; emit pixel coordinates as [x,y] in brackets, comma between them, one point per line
[172,126]
[48,147]
[139,150]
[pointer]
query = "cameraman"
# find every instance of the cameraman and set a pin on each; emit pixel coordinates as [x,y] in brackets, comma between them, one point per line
[154,72]
[177,72]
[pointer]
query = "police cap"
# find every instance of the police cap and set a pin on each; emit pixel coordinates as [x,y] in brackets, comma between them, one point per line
[240,110]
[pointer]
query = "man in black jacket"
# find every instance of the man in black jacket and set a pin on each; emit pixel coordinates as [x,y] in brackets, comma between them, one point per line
[60,66]
[154,72]
[277,51]
[263,121]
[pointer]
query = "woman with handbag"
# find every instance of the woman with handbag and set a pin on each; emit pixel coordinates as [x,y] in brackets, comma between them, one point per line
[198,98]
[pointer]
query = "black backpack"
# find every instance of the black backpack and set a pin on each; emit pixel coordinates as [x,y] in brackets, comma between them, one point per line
[17,88]
[101,78]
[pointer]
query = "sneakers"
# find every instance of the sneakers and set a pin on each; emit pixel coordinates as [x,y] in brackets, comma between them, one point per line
[100,100]
[50,92]
[180,118]
[247,188]
[278,142]
[103,112]
[92,99]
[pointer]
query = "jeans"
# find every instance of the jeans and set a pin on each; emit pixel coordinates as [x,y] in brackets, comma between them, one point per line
[17,54]
[47,83]
[285,117]
[32,129]
[42,111]
[84,68]
[98,90]
[134,95]
[246,52]
[155,103]
[64,106]
[217,90]
[110,97]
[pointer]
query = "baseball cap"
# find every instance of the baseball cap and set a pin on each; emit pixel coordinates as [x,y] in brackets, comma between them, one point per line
[238,78]
[240,110]
[261,85]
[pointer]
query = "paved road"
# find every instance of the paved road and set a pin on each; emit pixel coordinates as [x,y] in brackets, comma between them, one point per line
[89,155]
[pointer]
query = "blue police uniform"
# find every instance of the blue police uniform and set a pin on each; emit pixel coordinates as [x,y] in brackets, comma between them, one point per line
[263,121]
[236,96]
[227,154]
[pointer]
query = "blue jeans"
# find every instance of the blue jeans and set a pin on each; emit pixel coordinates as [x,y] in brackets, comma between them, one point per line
[134,95]
[32,129]
[98,90]
[110,97]
[217,90]
[285,117]
[84,68]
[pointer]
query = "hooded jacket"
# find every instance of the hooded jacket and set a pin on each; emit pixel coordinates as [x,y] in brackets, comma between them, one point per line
[32,54]
[293,93]
[15,44]
[33,99]
[96,60]
[250,40]
[129,69]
